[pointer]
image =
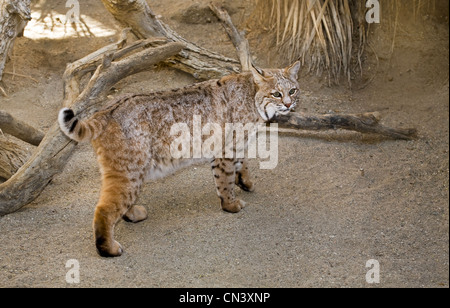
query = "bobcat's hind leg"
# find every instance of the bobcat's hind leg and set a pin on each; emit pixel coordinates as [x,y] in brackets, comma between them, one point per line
[116,199]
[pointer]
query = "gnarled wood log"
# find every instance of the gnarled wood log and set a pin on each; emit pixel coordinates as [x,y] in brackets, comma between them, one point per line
[54,151]
[238,39]
[12,157]
[197,61]
[14,16]
[12,154]
[19,129]
[368,123]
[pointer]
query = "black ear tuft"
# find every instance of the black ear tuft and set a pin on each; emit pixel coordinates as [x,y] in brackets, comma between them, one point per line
[258,75]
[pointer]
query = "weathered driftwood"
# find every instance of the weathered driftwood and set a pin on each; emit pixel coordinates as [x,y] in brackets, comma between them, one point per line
[12,154]
[197,61]
[12,157]
[54,151]
[19,129]
[238,39]
[363,123]
[76,70]
[14,15]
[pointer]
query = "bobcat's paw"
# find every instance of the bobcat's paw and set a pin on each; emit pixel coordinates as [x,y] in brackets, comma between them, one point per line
[233,207]
[109,251]
[136,214]
[247,186]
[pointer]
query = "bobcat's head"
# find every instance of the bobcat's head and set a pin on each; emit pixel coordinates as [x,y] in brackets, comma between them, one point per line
[278,91]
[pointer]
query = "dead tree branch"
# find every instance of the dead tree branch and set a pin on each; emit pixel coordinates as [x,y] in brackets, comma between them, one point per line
[19,129]
[14,16]
[238,39]
[363,123]
[54,151]
[197,61]
[12,157]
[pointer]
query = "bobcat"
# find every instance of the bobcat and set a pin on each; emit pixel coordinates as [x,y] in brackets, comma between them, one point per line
[132,139]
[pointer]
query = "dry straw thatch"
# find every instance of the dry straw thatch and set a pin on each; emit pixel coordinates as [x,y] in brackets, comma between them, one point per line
[318,32]
[326,35]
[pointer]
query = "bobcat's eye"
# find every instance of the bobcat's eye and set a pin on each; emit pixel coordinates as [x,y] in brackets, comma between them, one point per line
[277,95]
[293,91]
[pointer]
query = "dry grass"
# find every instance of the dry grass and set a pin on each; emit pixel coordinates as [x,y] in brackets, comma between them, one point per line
[318,32]
[328,36]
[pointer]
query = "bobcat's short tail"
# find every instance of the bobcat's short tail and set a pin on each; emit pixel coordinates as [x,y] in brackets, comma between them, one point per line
[78,130]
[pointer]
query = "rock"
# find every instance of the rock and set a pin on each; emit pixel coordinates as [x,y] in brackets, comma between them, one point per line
[199,14]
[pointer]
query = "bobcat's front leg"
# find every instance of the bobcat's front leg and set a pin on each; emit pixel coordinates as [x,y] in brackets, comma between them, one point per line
[224,172]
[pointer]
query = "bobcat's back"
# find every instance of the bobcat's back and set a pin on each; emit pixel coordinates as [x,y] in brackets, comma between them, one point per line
[229,100]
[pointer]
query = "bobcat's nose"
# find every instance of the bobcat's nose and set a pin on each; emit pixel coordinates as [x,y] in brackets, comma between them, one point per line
[287,102]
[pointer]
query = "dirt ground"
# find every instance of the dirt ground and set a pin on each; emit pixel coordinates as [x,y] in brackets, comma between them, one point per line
[335,201]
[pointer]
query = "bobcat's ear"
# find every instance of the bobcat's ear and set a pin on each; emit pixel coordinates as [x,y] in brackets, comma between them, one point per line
[293,70]
[258,75]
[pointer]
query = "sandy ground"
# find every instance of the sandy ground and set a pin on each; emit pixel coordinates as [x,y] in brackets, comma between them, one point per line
[335,201]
